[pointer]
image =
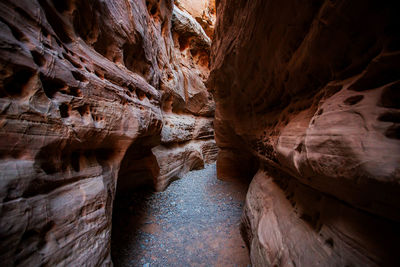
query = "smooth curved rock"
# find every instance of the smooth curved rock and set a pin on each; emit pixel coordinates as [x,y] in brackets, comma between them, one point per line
[202,11]
[296,225]
[303,88]
[177,160]
[83,86]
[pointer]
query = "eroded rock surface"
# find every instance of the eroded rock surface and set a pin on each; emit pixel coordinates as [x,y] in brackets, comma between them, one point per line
[187,136]
[202,11]
[309,92]
[85,87]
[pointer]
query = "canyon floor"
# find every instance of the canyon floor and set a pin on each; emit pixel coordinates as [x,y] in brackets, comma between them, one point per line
[194,222]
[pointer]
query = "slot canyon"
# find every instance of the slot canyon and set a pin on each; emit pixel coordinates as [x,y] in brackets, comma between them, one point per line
[199,133]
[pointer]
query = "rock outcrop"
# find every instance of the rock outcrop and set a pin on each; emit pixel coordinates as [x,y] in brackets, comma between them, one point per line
[308,94]
[86,90]
[187,136]
[202,11]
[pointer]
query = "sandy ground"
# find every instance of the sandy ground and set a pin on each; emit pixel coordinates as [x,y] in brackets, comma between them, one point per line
[194,222]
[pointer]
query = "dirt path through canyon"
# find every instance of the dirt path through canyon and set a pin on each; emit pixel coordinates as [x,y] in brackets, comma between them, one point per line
[194,222]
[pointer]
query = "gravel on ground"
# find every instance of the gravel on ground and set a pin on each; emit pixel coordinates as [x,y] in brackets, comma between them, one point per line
[194,222]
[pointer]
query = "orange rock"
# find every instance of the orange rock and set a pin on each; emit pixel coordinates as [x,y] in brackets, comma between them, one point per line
[85,88]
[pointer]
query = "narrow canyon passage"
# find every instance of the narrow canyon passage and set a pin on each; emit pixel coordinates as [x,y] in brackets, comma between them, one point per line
[194,222]
[297,100]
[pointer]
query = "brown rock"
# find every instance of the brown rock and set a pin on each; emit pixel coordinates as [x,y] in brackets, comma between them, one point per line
[181,128]
[187,93]
[202,11]
[297,225]
[82,90]
[186,104]
[209,151]
[303,88]
[177,160]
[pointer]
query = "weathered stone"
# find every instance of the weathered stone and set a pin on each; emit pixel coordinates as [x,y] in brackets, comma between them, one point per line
[186,104]
[192,47]
[303,88]
[296,225]
[83,87]
[181,128]
[202,11]
[209,151]
[177,160]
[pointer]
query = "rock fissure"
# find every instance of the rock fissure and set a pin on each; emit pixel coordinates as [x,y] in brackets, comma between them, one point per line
[104,105]
[82,90]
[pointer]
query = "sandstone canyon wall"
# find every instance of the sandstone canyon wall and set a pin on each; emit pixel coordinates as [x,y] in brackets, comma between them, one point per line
[93,94]
[307,96]
[202,11]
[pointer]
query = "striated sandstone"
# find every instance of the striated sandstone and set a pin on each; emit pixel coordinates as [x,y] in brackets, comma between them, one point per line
[310,91]
[84,88]
[187,106]
[297,225]
[181,128]
[177,160]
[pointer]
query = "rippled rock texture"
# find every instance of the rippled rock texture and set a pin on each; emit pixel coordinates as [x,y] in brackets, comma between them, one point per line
[86,89]
[309,91]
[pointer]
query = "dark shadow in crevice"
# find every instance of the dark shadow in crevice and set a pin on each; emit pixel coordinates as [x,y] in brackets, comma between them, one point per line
[129,215]
[135,184]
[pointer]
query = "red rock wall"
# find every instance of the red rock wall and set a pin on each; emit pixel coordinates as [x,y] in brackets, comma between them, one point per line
[309,91]
[86,88]
[187,141]
[202,11]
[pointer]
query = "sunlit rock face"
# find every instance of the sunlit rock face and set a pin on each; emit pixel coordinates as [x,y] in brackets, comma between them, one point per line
[187,136]
[202,11]
[86,89]
[310,92]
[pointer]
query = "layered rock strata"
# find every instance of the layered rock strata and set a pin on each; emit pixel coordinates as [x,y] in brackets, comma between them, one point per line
[309,92]
[187,136]
[86,90]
